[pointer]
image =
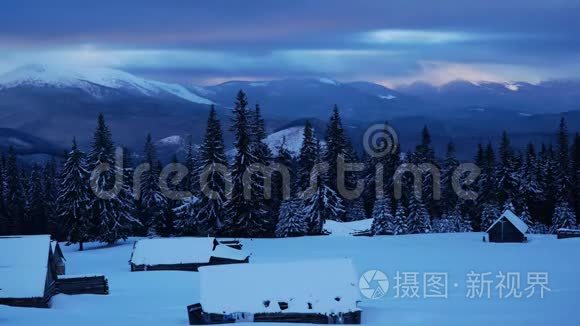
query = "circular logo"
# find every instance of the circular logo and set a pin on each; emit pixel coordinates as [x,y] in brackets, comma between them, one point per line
[373,284]
[380,140]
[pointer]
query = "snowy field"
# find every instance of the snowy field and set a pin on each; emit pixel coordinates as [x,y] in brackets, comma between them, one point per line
[160,298]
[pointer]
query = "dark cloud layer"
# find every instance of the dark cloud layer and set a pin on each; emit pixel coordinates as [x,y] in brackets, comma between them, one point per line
[345,39]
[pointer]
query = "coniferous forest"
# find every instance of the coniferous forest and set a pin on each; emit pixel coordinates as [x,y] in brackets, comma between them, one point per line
[541,185]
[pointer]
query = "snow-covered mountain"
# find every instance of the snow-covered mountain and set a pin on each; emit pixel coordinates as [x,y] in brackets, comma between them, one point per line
[314,97]
[93,80]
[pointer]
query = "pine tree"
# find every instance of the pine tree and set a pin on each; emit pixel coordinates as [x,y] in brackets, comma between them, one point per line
[356,210]
[111,215]
[525,215]
[307,157]
[35,221]
[563,217]
[283,158]
[401,219]
[209,215]
[418,220]
[291,223]
[450,164]
[324,204]
[264,215]
[383,220]
[192,164]
[338,145]
[13,193]
[548,172]
[489,215]
[564,180]
[424,154]
[152,202]
[462,222]
[507,184]
[245,216]
[50,194]
[74,198]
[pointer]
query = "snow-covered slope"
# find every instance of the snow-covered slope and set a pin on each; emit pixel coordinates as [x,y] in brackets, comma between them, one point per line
[292,136]
[88,80]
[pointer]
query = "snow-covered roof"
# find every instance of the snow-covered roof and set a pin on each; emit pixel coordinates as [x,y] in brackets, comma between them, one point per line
[327,285]
[23,266]
[184,250]
[347,228]
[514,219]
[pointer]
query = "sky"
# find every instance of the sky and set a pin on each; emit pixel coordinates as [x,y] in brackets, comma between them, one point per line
[390,42]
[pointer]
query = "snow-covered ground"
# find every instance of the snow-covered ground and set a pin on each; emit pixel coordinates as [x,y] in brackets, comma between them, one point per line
[160,298]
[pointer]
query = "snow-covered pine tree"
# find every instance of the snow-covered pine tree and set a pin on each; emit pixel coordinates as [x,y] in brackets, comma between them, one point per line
[264,215]
[508,205]
[186,215]
[563,179]
[418,220]
[450,164]
[244,216]
[192,163]
[307,157]
[50,191]
[73,200]
[291,222]
[489,214]
[525,215]
[548,172]
[209,214]
[152,203]
[355,210]
[337,144]
[401,219]
[284,158]
[384,222]
[563,217]
[507,181]
[13,193]
[35,221]
[111,217]
[324,204]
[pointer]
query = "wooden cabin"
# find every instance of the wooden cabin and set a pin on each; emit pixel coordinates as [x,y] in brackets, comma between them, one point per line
[314,292]
[564,233]
[58,258]
[184,254]
[507,228]
[27,271]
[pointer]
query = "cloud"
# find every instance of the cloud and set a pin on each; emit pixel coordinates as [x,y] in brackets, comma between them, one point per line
[398,36]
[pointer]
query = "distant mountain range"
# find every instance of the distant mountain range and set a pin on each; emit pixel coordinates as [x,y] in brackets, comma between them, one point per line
[56,105]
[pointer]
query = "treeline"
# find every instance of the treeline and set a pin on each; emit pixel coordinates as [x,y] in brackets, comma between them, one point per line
[69,201]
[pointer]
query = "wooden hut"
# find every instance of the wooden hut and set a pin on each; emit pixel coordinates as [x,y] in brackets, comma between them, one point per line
[184,253]
[58,258]
[564,233]
[508,228]
[315,292]
[27,271]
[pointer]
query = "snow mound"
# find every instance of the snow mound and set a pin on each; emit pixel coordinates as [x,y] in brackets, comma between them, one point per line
[23,266]
[327,286]
[347,228]
[86,79]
